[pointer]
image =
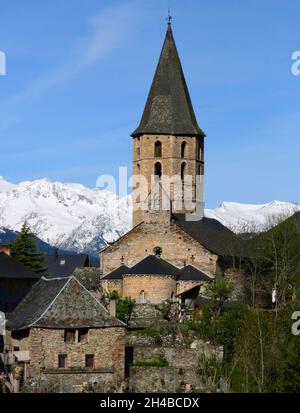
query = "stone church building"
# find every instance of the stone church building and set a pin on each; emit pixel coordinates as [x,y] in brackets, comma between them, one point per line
[169,250]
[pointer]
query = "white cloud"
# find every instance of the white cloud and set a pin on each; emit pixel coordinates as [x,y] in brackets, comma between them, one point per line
[107,32]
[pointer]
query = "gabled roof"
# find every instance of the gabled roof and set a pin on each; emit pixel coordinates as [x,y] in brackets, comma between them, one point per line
[117,274]
[190,273]
[169,109]
[11,268]
[212,235]
[89,277]
[60,303]
[65,265]
[154,266]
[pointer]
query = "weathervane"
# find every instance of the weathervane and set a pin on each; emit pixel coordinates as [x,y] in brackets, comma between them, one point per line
[169,18]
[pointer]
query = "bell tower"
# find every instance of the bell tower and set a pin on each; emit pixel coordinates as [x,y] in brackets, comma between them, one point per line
[168,145]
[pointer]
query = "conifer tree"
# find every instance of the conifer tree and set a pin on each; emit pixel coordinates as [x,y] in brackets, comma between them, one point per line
[24,249]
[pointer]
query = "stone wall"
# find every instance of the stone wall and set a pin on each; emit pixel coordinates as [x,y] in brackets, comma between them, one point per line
[179,357]
[157,289]
[178,248]
[237,277]
[161,379]
[146,315]
[106,344]
[171,160]
[183,286]
[110,286]
[182,369]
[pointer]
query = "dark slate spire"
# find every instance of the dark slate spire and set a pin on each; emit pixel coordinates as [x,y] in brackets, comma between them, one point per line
[169,109]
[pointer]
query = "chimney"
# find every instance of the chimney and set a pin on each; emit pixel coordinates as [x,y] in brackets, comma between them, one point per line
[5,249]
[112,308]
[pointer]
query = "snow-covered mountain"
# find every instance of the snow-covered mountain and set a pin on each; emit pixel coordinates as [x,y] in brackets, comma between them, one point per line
[68,216]
[77,218]
[251,218]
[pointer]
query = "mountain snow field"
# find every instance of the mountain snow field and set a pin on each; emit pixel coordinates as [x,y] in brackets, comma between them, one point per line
[74,217]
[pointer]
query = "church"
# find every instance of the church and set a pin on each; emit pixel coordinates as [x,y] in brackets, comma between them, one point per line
[169,250]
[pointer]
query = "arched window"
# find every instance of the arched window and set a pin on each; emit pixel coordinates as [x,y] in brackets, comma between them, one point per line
[138,169]
[200,169]
[200,150]
[157,169]
[138,148]
[142,297]
[157,149]
[183,168]
[183,147]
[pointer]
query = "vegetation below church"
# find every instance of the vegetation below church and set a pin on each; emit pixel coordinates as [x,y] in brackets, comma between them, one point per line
[260,352]
[159,361]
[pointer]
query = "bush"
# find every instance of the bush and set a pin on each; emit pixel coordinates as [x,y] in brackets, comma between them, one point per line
[159,361]
[125,309]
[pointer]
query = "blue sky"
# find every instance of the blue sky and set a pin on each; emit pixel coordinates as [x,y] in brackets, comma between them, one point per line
[78,74]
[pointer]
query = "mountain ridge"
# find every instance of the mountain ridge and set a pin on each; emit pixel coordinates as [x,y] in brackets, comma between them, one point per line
[83,220]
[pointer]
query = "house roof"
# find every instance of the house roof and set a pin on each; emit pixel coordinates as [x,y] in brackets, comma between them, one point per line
[11,268]
[60,303]
[154,266]
[117,274]
[212,235]
[169,108]
[89,277]
[65,265]
[190,273]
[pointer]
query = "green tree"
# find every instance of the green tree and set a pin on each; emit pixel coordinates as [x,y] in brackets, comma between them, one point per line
[125,309]
[220,291]
[24,249]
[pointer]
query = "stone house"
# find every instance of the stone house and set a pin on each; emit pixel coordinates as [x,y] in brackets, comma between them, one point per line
[66,336]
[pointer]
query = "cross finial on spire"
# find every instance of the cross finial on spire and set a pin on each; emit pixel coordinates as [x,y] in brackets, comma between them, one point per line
[169,18]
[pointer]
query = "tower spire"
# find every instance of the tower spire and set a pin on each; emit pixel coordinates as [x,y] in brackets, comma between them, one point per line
[169,110]
[169,18]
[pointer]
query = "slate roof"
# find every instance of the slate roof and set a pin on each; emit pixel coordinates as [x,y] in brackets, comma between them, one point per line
[11,268]
[190,273]
[117,274]
[60,303]
[89,277]
[154,266]
[212,235]
[65,265]
[169,108]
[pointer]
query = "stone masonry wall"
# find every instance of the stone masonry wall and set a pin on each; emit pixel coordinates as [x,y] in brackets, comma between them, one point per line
[110,286]
[161,379]
[178,248]
[179,357]
[171,160]
[156,288]
[106,344]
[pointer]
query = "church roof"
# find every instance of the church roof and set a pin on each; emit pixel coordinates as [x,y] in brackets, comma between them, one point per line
[190,273]
[212,235]
[60,303]
[117,274]
[154,266]
[169,109]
